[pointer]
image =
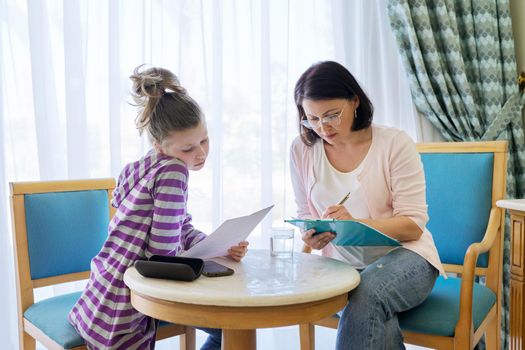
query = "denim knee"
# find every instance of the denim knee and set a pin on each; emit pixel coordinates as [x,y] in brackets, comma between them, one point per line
[397,282]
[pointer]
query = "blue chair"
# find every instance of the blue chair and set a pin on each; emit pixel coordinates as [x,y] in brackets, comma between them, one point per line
[58,227]
[464,180]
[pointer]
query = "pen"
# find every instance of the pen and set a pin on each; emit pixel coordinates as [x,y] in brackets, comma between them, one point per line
[342,201]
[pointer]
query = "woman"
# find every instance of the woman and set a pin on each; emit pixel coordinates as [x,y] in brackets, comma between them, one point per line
[339,151]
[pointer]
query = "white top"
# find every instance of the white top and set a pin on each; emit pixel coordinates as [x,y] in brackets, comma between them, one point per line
[259,280]
[392,180]
[513,204]
[332,186]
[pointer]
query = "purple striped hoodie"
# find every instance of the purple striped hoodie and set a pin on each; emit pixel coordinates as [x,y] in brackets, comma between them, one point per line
[151,218]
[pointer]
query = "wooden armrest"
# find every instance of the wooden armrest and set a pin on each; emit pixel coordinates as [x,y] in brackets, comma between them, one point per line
[469,266]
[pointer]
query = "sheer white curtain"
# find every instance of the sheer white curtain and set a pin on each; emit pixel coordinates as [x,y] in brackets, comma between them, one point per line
[64,110]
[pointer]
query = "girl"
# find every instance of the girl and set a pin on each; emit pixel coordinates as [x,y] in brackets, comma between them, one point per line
[151,216]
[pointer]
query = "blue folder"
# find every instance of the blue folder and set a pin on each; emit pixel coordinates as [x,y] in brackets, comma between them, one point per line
[348,232]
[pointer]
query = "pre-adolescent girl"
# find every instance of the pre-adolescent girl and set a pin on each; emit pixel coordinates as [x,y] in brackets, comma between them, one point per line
[151,216]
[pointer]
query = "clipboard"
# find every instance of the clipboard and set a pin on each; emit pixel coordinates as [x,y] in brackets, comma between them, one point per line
[348,232]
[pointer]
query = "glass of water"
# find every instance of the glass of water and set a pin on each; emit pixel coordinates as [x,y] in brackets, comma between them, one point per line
[281,242]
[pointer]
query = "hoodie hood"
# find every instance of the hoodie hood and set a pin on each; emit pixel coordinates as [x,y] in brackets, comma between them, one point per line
[134,172]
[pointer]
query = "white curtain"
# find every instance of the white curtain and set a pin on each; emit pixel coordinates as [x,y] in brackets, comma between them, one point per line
[64,94]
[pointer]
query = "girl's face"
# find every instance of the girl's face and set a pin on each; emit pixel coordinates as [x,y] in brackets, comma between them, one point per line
[331,119]
[190,145]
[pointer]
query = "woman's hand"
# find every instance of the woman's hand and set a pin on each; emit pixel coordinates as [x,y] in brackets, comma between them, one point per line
[237,252]
[337,212]
[317,240]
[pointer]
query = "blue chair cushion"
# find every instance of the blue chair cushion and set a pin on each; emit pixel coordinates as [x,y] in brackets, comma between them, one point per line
[65,230]
[459,198]
[50,316]
[439,313]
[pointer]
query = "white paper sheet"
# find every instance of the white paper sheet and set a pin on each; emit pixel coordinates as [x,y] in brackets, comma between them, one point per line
[230,233]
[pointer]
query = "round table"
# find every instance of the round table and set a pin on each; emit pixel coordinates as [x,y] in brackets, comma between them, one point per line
[263,292]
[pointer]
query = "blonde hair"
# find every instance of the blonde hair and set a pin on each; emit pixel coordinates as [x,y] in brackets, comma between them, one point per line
[163,104]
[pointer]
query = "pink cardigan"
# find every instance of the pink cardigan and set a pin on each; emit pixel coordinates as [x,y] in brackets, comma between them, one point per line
[392,181]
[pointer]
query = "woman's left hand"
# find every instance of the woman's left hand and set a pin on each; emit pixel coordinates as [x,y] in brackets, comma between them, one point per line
[337,212]
[237,252]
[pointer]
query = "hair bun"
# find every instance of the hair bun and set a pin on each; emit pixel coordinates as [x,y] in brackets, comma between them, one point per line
[149,85]
[153,83]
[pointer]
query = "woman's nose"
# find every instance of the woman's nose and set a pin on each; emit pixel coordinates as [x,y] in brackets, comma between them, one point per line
[324,126]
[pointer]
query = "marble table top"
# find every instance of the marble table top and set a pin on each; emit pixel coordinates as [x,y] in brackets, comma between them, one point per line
[259,280]
[514,204]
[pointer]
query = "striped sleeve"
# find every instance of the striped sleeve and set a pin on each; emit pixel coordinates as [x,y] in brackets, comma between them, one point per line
[169,209]
[190,235]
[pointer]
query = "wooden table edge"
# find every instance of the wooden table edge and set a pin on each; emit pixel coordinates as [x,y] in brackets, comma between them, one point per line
[242,317]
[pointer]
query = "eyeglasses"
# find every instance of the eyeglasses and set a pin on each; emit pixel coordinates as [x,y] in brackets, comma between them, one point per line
[315,122]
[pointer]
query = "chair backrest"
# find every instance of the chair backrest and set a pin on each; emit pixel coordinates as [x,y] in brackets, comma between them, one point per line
[58,227]
[463,182]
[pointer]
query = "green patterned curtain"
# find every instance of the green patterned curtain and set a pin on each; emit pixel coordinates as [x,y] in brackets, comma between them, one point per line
[460,60]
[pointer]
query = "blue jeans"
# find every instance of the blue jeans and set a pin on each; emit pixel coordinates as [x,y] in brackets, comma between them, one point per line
[396,282]
[214,338]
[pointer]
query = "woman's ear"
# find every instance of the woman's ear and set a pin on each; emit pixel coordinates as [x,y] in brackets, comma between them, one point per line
[356,101]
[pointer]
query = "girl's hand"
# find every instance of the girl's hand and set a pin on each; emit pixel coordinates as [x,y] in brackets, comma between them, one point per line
[237,252]
[317,240]
[337,212]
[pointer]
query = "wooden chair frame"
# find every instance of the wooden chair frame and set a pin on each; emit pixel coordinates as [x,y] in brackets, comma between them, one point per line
[465,337]
[28,332]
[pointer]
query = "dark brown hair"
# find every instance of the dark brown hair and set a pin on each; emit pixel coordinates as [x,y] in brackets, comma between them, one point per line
[164,105]
[330,80]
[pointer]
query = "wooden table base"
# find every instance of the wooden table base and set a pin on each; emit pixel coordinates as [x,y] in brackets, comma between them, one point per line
[235,339]
[238,324]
